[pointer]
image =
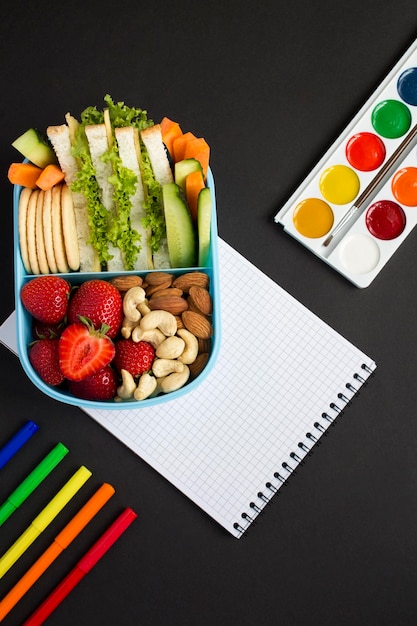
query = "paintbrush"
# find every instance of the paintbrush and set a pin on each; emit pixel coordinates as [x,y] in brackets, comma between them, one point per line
[370,191]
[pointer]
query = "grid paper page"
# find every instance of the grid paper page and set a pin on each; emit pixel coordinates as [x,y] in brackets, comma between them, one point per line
[279,369]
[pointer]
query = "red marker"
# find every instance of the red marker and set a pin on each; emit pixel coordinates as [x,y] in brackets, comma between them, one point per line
[84,565]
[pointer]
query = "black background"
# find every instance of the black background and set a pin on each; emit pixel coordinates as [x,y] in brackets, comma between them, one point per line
[269,85]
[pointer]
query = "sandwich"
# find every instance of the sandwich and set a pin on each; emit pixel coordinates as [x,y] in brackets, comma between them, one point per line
[115,164]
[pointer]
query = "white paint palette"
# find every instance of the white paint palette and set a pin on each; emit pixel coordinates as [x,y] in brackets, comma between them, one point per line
[359,202]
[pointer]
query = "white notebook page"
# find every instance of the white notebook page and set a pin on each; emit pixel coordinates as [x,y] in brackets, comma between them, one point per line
[279,369]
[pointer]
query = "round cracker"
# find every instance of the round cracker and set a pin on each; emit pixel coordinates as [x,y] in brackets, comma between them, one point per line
[40,242]
[70,228]
[57,234]
[22,227]
[31,231]
[47,231]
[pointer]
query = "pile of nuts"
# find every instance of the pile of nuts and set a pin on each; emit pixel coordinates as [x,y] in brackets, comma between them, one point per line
[173,314]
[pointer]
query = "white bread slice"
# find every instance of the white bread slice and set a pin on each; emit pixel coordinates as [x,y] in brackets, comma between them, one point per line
[152,139]
[98,144]
[127,139]
[60,138]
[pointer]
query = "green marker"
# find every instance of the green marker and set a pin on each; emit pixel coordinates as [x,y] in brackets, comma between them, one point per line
[33,480]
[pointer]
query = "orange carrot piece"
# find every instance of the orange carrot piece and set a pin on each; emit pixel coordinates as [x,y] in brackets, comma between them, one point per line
[24,174]
[198,149]
[50,176]
[194,183]
[170,130]
[179,145]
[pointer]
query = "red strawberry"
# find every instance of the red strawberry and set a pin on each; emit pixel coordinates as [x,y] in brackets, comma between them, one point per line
[134,357]
[43,355]
[99,386]
[100,302]
[84,350]
[46,298]
[40,330]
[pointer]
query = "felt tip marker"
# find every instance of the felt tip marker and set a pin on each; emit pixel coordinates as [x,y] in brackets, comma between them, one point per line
[61,541]
[17,441]
[84,565]
[32,481]
[45,517]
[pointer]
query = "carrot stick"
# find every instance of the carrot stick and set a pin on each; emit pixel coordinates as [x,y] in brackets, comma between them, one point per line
[194,183]
[170,130]
[199,149]
[179,145]
[24,174]
[50,176]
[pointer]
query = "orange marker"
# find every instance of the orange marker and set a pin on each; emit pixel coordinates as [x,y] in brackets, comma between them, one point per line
[61,541]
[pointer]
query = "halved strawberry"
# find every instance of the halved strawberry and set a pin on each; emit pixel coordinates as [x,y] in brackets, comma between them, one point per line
[84,350]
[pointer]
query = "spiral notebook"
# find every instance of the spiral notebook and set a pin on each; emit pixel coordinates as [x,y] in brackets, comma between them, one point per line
[282,377]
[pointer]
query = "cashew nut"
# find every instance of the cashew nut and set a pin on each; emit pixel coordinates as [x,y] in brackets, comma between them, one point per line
[143,307]
[190,352]
[163,320]
[133,297]
[170,348]
[175,381]
[163,367]
[128,386]
[127,327]
[146,386]
[154,336]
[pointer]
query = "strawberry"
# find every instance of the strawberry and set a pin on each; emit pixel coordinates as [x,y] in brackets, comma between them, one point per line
[99,386]
[46,298]
[100,302]
[83,350]
[44,358]
[40,330]
[135,357]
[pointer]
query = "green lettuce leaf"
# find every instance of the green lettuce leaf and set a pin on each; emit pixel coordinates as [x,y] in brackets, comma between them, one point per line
[117,229]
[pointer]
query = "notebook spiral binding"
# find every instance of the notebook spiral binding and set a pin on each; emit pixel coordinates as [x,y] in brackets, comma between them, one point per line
[304,449]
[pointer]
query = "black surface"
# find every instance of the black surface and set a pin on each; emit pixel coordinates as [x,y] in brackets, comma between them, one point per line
[270,85]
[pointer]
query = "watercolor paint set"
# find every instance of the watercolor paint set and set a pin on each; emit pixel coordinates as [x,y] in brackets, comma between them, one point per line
[359,202]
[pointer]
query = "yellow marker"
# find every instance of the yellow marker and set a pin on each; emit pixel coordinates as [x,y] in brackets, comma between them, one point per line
[60,543]
[45,517]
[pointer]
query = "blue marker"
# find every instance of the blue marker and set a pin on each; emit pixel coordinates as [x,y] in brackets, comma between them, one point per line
[16,442]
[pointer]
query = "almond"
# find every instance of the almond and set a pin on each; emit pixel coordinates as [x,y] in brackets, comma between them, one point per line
[180,323]
[187,280]
[197,324]
[168,291]
[199,364]
[173,304]
[204,345]
[201,298]
[152,289]
[156,278]
[124,283]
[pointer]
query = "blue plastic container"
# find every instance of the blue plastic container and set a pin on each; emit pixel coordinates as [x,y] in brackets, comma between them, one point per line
[24,320]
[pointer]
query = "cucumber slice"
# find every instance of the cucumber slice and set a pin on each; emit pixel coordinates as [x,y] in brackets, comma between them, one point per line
[33,147]
[181,237]
[183,168]
[204,211]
